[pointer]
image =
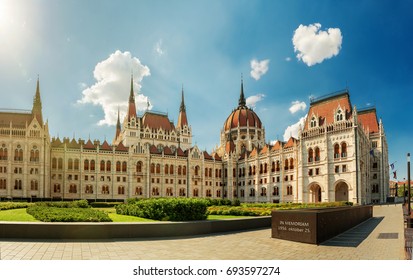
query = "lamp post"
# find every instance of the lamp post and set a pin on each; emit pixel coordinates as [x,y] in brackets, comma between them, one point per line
[408,184]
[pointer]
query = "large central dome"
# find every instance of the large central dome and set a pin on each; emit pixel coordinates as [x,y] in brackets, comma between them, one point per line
[242,116]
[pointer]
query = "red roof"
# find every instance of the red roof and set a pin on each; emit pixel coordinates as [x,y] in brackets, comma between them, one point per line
[167,151]
[290,142]
[217,157]
[242,116]
[207,156]
[264,150]
[230,146]
[324,109]
[182,119]
[89,145]
[105,146]
[156,121]
[180,153]
[277,146]
[18,119]
[368,119]
[121,148]
[254,152]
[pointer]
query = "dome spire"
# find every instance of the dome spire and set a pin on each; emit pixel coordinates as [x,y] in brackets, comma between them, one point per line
[37,104]
[241,101]
[182,118]
[132,105]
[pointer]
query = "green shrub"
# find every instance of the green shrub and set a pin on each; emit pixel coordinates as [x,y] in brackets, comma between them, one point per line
[104,204]
[67,214]
[64,204]
[166,209]
[13,205]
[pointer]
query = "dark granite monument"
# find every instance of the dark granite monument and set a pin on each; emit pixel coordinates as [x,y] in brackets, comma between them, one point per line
[317,225]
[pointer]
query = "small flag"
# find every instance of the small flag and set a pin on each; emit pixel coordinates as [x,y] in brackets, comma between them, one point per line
[372,152]
[392,166]
[394,175]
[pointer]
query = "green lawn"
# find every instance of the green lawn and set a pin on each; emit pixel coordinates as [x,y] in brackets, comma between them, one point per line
[16,215]
[20,215]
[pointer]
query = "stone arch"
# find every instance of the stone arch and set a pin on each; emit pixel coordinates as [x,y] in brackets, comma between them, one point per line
[315,193]
[341,189]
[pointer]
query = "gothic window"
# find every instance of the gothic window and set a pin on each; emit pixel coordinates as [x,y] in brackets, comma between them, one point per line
[339,115]
[195,192]
[124,166]
[105,189]
[182,192]
[138,191]
[166,169]
[313,122]
[89,189]
[291,163]
[121,190]
[275,191]
[184,170]
[169,192]
[76,167]
[73,188]
[86,164]
[344,149]
[336,150]
[56,188]
[54,163]
[277,167]
[289,190]
[286,164]
[179,170]
[171,169]
[218,193]
[139,167]
[208,193]
[252,192]
[60,163]
[3,184]
[265,168]
[70,164]
[92,165]
[317,154]
[158,168]
[3,153]
[155,191]
[263,192]
[102,165]
[310,155]
[108,166]
[34,185]
[197,170]
[118,166]
[18,154]
[273,167]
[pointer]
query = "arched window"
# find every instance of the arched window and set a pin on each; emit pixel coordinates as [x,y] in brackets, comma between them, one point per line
[158,168]
[336,150]
[54,163]
[76,167]
[253,170]
[339,116]
[196,170]
[139,167]
[171,169]
[277,166]
[70,164]
[153,168]
[34,184]
[73,188]
[250,171]
[275,191]
[313,122]
[179,170]
[124,166]
[273,166]
[218,193]
[18,154]
[60,163]
[108,166]
[265,168]
[289,190]
[138,191]
[344,149]
[166,169]
[263,191]
[3,153]
[208,193]
[118,166]
[105,189]
[206,171]
[121,190]
[291,163]
[286,164]
[261,169]
[155,191]
[86,164]
[102,165]
[252,192]
[195,192]
[169,192]
[92,165]
[310,155]
[317,154]
[182,192]
[184,170]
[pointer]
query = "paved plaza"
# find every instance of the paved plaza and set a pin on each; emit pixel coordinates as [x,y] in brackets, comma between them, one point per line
[381,237]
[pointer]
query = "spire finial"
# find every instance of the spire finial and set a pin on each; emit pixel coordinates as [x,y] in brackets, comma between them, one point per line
[131,96]
[182,107]
[241,101]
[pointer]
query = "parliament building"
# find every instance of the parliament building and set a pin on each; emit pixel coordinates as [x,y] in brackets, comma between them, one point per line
[341,154]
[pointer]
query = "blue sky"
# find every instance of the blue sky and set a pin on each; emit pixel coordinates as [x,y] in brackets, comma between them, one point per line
[84,52]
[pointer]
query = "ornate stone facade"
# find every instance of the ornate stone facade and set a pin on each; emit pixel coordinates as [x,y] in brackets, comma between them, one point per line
[340,154]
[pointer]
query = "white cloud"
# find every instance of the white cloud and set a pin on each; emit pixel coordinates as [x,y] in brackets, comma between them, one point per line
[297,106]
[288,59]
[159,48]
[112,88]
[292,130]
[314,45]
[259,68]
[252,101]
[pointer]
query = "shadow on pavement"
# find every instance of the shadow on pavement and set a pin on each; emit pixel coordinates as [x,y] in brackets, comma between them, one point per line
[353,237]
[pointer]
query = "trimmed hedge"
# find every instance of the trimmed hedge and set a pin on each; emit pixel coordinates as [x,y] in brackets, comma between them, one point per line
[105,204]
[13,205]
[264,209]
[64,204]
[166,209]
[67,214]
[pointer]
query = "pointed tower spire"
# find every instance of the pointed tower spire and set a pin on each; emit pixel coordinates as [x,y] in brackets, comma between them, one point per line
[132,105]
[241,101]
[118,128]
[37,104]
[182,119]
